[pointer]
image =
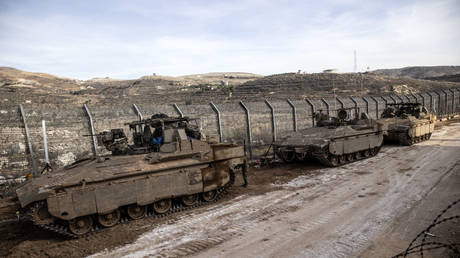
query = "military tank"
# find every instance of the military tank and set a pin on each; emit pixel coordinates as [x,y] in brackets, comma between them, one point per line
[169,168]
[407,123]
[334,141]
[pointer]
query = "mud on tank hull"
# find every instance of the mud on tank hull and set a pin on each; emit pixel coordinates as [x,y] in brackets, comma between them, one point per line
[126,194]
[334,151]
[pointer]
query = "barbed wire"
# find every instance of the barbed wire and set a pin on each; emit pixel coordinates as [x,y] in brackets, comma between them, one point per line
[426,246]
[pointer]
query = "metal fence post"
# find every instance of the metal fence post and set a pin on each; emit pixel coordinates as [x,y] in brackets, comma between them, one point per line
[439,103]
[294,114]
[248,124]
[45,142]
[272,111]
[219,125]
[415,97]
[407,97]
[431,101]
[392,98]
[31,151]
[176,107]
[340,102]
[138,112]
[367,105]
[453,101]
[376,107]
[327,106]
[446,103]
[384,100]
[312,106]
[423,99]
[91,124]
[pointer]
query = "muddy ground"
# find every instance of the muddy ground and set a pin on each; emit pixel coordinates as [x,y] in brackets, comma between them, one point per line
[371,208]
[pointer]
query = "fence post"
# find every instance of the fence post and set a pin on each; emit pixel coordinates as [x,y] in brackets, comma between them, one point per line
[453,101]
[312,106]
[407,97]
[248,124]
[446,103]
[294,114]
[45,143]
[415,97]
[439,103]
[327,106]
[367,105]
[219,125]
[91,124]
[272,111]
[384,100]
[431,101]
[176,107]
[138,112]
[340,102]
[392,98]
[31,151]
[376,107]
[423,99]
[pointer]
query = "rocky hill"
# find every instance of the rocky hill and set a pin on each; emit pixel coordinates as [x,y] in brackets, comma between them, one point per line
[421,72]
[326,84]
[445,78]
[18,87]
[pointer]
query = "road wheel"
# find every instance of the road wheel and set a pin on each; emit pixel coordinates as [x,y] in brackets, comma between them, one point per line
[350,157]
[190,200]
[209,196]
[288,156]
[366,153]
[300,156]
[40,214]
[81,225]
[333,160]
[162,206]
[135,211]
[342,159]
[358,155]
[109,219]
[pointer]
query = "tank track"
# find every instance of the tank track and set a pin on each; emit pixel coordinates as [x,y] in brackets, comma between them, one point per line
[405,140]
[357,156]
[176,207]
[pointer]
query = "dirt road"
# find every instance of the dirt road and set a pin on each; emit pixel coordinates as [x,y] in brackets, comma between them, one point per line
[336,212]
[371,208]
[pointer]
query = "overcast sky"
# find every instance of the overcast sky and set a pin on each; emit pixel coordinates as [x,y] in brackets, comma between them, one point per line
[128,39]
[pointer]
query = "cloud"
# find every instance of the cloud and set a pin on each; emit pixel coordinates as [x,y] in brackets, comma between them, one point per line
[131,39]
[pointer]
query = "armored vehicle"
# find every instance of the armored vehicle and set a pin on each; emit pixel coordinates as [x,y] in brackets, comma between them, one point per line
[407,123]
[335,141]
[170,167]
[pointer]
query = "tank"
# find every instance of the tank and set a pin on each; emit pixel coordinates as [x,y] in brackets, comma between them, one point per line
[168,168]
[407,123]
[334,141]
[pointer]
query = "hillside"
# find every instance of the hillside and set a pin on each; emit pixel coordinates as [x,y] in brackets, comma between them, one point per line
[445,78]
[19,87]
[324,84]
[421,72]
